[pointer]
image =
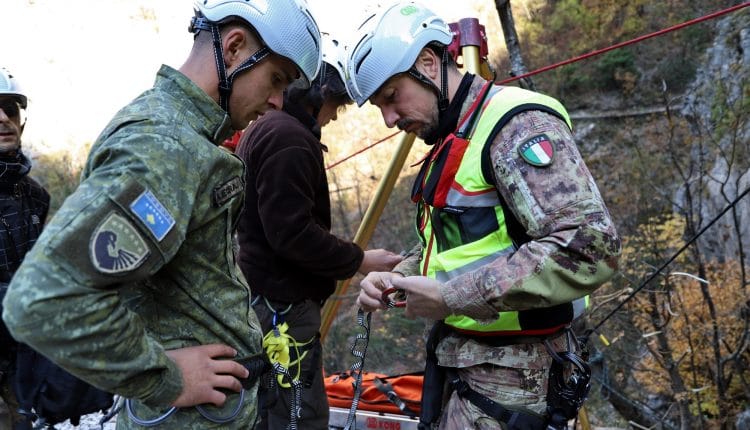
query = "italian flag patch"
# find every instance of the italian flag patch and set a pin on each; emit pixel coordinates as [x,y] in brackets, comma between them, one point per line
[537,151]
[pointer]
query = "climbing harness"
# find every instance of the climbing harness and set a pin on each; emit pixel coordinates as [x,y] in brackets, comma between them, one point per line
[278,345]
[513,419]
[568,385]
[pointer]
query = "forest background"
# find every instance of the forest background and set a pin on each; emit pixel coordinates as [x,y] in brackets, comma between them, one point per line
[663,126]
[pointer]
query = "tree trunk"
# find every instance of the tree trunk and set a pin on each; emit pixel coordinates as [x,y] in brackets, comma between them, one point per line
[664,353]
[517,67]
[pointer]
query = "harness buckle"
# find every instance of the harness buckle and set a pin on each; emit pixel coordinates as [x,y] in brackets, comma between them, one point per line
[460,386]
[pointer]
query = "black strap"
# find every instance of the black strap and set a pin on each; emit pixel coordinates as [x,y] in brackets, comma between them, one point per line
[257,365]
[514,420]
[442,91]
[225,81]
[386,388]
[316,352]
[434,379]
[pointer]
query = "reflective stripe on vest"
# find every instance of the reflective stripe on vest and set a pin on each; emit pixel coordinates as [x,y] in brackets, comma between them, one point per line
[470,191]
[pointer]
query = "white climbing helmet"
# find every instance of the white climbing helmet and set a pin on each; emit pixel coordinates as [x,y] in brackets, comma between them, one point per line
[388,43]
[334,54]
[9,86]
[286,26]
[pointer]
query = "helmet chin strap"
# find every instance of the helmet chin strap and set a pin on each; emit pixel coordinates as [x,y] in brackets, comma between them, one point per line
[442,92]
[225,82]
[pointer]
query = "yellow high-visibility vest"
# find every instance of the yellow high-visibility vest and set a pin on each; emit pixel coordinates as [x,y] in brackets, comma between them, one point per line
[461,219]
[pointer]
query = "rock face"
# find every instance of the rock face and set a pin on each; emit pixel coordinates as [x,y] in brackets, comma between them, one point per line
[717,105]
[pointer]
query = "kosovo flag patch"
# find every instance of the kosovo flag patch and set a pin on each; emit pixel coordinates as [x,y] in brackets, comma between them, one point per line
[153,214]
[116,246]
[537,151]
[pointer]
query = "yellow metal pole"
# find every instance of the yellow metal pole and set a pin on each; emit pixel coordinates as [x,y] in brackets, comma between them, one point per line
[367,227]
[583,418]
[471,58]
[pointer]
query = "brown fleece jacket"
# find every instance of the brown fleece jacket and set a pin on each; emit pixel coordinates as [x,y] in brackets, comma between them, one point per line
[287,252]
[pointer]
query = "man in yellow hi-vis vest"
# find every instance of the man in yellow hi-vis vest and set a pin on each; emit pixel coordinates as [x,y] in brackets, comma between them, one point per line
[514,234]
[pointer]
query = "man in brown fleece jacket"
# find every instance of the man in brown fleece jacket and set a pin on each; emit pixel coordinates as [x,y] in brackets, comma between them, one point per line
[287,252]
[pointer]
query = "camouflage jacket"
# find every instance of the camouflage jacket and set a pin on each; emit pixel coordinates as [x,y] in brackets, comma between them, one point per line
[574,247]
[139,258]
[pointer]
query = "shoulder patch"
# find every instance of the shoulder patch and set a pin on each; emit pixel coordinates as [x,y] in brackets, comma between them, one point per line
[116,246]
[537,151]
[226,191]
[153,214]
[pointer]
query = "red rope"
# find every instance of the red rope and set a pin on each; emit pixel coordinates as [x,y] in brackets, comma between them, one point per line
[582,57]
[629,42]
[330,166]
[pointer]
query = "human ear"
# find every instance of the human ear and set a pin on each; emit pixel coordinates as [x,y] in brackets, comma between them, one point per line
[234,43]
[428,63]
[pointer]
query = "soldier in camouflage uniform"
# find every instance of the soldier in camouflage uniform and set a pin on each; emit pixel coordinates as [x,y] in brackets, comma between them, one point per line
[133,285]
[514,233]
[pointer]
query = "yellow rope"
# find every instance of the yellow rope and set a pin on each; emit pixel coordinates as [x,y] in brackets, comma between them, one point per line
[277,343]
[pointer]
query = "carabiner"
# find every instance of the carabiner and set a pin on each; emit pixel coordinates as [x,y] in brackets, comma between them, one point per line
[389,302]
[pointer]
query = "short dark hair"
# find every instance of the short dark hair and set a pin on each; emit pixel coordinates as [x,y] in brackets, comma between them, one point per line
[327,86]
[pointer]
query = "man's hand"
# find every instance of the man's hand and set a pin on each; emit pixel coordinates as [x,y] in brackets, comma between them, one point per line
[204,372]
[371,290]
[423,298]
[378,260]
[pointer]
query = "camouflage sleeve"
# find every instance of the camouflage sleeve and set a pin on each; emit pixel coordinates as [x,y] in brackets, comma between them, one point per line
[409,266]
[65,299]
[574,247]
